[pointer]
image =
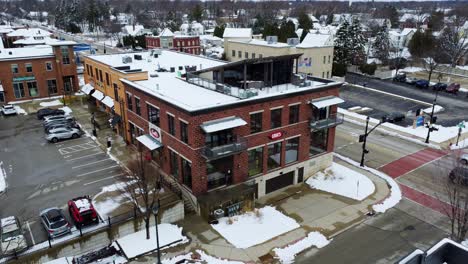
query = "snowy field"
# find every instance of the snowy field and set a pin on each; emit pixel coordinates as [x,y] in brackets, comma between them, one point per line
[3,184]
[287,254]
[266,224]
[343,181]
[136,244]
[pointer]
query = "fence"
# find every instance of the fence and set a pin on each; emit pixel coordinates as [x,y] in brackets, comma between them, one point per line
[452,71]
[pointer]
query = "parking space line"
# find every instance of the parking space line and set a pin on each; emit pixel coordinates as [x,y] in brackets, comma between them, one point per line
[99,152]
[103,179]
[91,172]
[87,164]
[59,144]
[30,233]
[69,152]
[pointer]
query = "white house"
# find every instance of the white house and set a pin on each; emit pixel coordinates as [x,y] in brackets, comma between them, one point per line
[133,30]
[236,34]
[401,38]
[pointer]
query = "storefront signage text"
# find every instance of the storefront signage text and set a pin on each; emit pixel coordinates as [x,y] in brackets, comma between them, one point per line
[276,135]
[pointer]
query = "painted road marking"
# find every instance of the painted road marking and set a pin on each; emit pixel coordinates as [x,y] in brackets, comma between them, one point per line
[63,151]
[103,179]
[91,172]
[30,233]
[90,155]
[87,164]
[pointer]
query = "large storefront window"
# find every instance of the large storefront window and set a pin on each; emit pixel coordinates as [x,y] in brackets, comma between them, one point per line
[134,133]
[32,88]
[18,89]
[52,87]
[292,150]
[153,115]
[187,173]
[320,113]
[255,161]
[219,172]
[174,163]
[318,142]
[274,156]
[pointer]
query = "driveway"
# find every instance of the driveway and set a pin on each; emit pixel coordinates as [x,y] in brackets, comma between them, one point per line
[42,175]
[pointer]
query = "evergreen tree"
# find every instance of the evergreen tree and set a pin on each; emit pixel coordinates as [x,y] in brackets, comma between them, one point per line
[305,23]
[381,45]
[357,43]
[341,55]
[287,30]
[421,43]
[270,29]
[197,13]
[219,31]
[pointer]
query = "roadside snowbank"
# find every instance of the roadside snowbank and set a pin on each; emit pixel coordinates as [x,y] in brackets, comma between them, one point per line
[51,103]
[3,184]
[287,254]
[20,110]
[343,181]
[204,259]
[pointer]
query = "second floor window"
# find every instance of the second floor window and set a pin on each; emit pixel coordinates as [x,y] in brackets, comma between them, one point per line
[107,79]
[137,106]
[48,66]
[153,115]
[116,92]
[293,114]
[276,118]
[184,132]
[256,122]
[29,67]
[239,54]
[171,124]
[233,53]
[14,68]
[246,55]
[65,55]
[129,102]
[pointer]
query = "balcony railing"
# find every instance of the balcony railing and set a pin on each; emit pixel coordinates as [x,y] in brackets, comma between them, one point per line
[211,153]
[332,121]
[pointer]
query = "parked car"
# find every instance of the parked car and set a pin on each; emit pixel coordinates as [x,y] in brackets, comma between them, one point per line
[58,123]
[57,119]
[464,159]
[11,236]
[459,175]
[82,211]
[41,113]
[439,86]
[8,110]
[453,88]
[400,77]
[62,133]
[55,222]
[411,80]
[394,117]
[61,125]
[422,83]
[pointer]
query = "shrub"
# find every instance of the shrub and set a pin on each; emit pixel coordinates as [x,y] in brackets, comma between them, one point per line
[368,68]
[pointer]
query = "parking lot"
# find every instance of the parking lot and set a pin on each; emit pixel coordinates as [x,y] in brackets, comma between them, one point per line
[41,175]
[455,105]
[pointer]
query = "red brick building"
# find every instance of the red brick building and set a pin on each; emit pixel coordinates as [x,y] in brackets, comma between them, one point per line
[229,132]
[167,40]
[37,72]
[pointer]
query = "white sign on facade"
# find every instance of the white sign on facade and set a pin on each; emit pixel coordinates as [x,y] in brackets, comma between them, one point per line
[155,132]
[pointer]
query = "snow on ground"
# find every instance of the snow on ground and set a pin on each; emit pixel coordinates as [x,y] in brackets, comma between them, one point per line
[343,181]
[395,192]
[287,254]
[178,258]
[465,243]
[51,103]
[266,223]
[81,80]
[66,109]
[461,144]
[463,67]
[20,110]
[136,244]
[106,205]
[204,258]
[213,260]
[3,183]
[437,109]
[408,70]
[444,133]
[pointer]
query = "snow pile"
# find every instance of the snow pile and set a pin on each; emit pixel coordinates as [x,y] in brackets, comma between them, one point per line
[111,202]
[395,192]
[136,244]
[266,223]
[437,109]
[343,181]
[287,254]
[465,243]
[204,258]
[67,110]
[20,110]
[442,135]
[3,183]
[461,144]
[51,103]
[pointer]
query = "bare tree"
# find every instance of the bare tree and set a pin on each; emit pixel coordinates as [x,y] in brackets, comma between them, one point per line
[142,187]
[454,41]
[430,64]
[454,195]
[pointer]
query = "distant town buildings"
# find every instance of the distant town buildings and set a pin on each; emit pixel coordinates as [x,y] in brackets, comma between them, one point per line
[168,40]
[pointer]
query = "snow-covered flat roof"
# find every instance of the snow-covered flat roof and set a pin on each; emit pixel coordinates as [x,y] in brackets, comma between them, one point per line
[316,40]
[26,53]
[237,33]
[29,32]
[260,42]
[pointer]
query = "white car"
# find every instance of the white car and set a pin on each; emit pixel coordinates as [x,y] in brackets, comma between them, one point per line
[11,236]
[464,159]
[8,110]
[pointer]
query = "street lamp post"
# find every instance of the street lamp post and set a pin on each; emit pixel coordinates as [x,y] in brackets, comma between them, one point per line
[155,212]
[363,138]
[430,128]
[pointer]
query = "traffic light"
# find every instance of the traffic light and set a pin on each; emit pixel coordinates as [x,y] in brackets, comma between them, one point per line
[361,138]
[434,120]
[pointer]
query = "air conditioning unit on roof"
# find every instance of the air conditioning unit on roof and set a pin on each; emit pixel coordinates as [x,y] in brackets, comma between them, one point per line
[272,39]
[127,59]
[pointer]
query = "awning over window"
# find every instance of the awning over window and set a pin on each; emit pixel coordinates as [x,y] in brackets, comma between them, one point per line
[87,88]
[222,124]
[108,101]
[149,142]
[98,95]
[326,101]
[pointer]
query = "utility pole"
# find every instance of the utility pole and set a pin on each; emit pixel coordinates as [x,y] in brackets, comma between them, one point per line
[363,138]
[432,120]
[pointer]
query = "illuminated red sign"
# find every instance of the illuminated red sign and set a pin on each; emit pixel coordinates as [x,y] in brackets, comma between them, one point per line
[276,135]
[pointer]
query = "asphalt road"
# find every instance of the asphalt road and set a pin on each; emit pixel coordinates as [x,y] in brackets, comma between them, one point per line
[42,175]
[455,105]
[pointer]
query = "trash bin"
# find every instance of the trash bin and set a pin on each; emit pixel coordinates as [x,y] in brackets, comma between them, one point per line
[218,213]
